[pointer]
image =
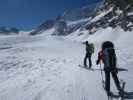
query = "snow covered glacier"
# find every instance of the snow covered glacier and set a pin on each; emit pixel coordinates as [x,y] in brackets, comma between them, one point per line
[45,67]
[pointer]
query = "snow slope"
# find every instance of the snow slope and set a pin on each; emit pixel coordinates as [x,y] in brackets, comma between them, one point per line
[45,67]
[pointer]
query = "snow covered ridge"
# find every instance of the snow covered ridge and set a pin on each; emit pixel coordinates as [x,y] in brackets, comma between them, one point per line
[113,13]
[98,17]
[101,35]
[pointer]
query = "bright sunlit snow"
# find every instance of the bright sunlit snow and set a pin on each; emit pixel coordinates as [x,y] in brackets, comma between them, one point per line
[45,67]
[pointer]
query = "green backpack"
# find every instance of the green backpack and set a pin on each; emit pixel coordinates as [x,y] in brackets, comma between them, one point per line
[91,48]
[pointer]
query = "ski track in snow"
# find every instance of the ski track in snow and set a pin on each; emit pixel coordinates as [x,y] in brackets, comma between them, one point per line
[40,68]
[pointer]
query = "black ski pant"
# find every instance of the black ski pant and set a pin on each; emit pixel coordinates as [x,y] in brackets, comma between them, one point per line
[115,78]
[88,56]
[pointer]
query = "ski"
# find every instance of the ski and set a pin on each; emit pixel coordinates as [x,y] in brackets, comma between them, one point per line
[123,88]
[108,95]
[87,68]
[110,98]
[120,95]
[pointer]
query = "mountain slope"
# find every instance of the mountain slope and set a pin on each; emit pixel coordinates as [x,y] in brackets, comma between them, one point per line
[112,13]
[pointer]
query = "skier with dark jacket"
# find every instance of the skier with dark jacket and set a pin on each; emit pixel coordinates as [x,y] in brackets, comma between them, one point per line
[89,52]
[108,57]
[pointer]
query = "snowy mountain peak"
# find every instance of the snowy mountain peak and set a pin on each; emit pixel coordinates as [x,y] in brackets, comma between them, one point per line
[113,13]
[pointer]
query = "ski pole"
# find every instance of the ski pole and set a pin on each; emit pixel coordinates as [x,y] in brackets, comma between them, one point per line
[102,75]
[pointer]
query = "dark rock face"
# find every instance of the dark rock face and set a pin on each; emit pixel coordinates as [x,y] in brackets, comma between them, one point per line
[60,26]
[63,28]
[117,13]
[44,26]
[8,31]
[47,25]
[74,27]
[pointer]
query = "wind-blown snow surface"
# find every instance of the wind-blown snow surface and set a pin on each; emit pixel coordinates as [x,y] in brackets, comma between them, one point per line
[45,67]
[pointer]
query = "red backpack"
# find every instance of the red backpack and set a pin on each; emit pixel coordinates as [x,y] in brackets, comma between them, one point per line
[101,56]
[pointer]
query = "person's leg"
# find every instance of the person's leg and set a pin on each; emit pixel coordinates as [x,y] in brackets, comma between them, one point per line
[116,80]
[85,60]
[107,81]
[90,62]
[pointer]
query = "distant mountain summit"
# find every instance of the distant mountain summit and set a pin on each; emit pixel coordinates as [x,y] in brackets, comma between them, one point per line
[43,27]
[8,31]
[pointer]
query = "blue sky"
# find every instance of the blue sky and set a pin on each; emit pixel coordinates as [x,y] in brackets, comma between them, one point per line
[27,14]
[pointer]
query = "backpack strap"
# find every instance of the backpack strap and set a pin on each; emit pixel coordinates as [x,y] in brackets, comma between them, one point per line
[100,57]
[106,57]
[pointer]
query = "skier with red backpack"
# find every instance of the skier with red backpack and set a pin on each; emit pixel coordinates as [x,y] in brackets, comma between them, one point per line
[108,57]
